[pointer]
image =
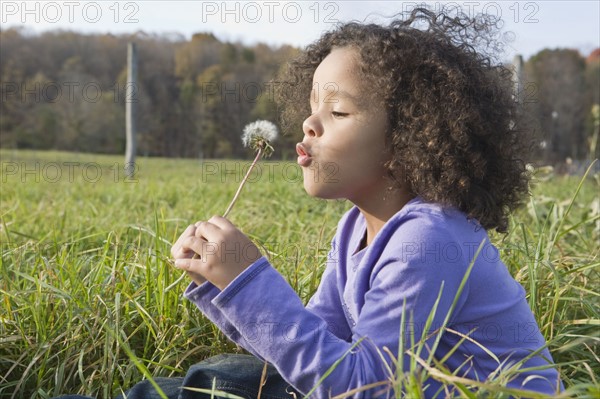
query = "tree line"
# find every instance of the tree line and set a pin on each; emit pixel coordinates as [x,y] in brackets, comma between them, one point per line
[561,95]
[66,90]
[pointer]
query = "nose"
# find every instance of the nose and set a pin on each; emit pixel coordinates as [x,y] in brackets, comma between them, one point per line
[312,126]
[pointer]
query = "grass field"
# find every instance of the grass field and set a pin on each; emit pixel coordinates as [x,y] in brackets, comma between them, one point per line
[89,305]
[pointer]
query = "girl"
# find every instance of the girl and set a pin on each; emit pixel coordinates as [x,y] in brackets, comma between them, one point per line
[424,136]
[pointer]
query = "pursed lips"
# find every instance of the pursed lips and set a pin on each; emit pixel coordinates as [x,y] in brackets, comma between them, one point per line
[304,156]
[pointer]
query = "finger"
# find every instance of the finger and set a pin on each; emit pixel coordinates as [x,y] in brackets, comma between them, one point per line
[191,266]
[198,233]
[183,264]
[221,222]
[192,245]
[189,231]
[183,254]
[197,278]
[209,231]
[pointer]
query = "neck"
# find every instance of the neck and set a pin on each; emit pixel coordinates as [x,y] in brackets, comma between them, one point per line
[377,210]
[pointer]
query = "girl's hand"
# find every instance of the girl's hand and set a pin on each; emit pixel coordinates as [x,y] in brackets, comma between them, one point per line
[178,252]
[224,251]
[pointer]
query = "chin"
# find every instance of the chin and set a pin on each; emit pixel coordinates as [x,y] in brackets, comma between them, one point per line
[315,186]
[320,191]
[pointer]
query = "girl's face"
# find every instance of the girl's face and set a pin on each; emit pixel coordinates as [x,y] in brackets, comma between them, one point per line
[343,150]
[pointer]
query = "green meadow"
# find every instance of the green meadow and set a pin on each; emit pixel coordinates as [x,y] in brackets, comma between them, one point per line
[89,303]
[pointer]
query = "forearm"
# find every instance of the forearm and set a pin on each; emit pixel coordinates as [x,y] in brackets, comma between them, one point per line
[295,340]
[201,296]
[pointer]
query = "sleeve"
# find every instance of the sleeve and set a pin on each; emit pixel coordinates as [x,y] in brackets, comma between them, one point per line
[300,345]
[201,296]
[326,302]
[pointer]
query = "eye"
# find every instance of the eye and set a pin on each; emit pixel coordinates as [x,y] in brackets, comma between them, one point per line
[338,114]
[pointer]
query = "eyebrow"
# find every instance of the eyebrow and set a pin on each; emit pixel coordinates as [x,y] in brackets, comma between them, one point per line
[344,93]
[335,93]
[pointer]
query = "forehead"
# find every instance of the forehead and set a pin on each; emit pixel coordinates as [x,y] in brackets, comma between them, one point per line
[338,72]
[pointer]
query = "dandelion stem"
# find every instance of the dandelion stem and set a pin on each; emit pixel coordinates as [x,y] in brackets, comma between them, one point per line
[239,190]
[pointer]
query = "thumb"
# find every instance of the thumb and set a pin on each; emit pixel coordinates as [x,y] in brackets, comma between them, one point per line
[184,264]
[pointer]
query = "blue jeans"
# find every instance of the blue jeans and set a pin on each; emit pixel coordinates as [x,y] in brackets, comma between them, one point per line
[236,374]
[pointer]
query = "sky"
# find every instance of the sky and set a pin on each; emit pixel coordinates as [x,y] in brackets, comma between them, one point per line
[529,26]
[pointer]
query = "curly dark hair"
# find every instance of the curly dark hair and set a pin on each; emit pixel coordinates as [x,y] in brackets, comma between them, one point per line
[455,135]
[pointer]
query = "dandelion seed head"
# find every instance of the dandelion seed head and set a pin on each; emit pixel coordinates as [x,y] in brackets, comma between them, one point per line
[257,131]
[258,136]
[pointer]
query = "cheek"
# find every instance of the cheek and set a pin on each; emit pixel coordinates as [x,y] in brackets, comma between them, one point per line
[326,172]
[365,155]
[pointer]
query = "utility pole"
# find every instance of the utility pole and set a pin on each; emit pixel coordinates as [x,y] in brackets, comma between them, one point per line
[130,110]
[517,77]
